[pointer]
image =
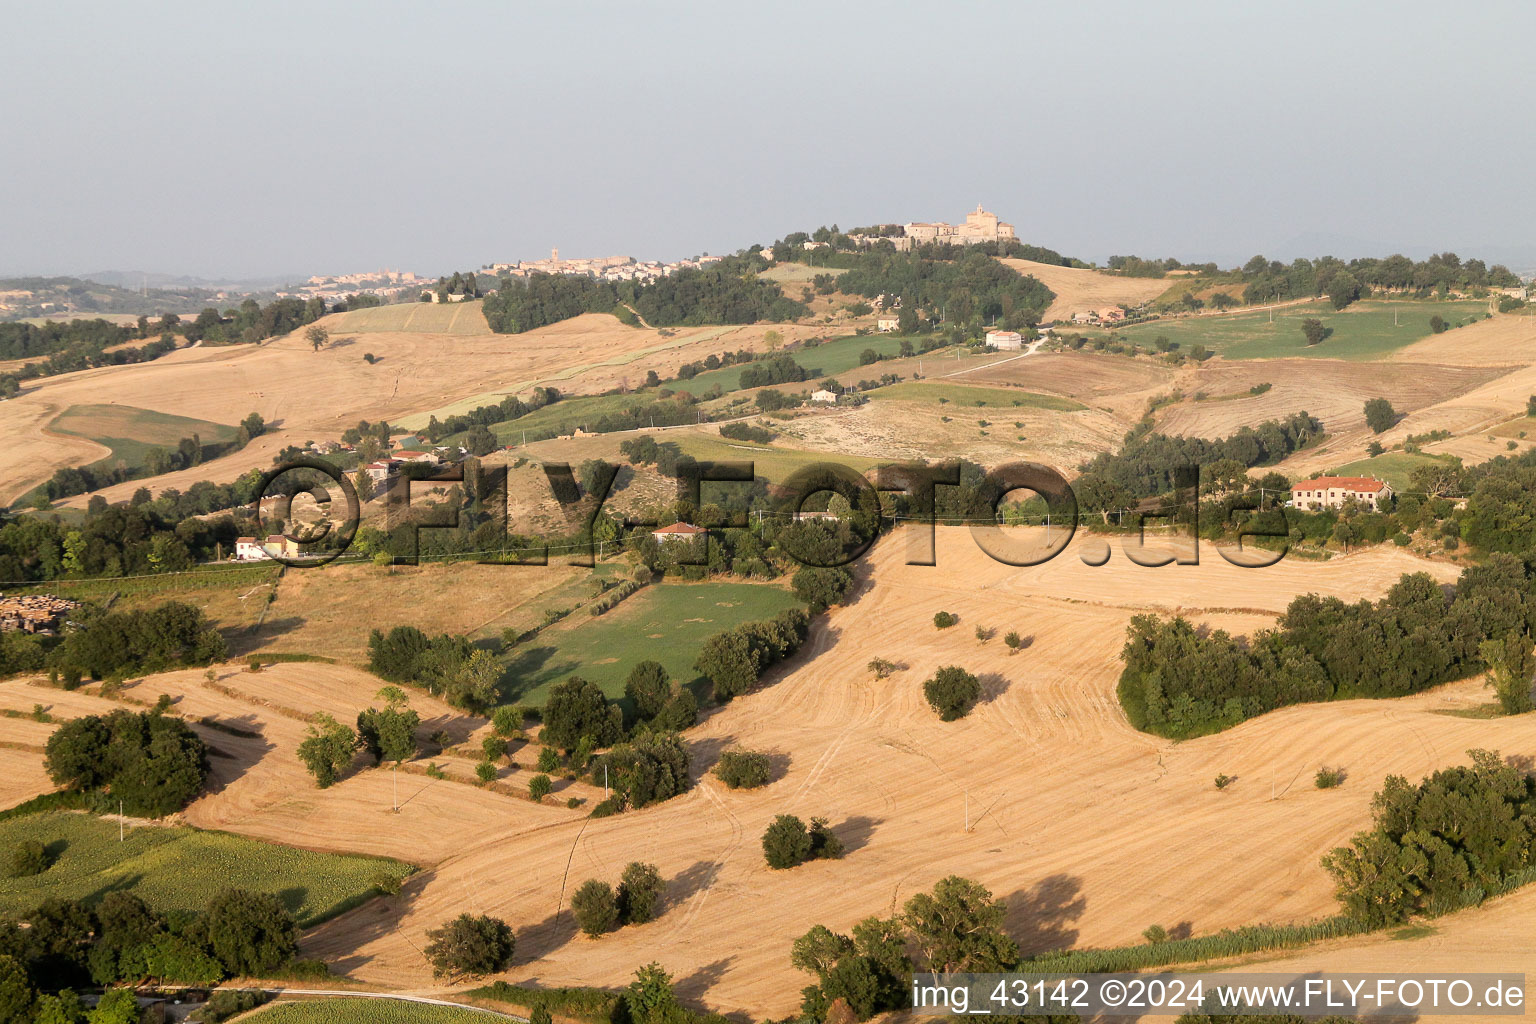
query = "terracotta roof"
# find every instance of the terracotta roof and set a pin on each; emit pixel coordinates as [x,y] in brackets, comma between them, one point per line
[1347,483]
[682,528]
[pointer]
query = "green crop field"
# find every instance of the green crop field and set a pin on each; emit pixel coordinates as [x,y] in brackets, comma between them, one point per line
[1365,330]
[665,622]
[1393,467]
[367,1011]
[796,273]
[179,868]
[938,393]
[131,432]
[772,463]
[462,318]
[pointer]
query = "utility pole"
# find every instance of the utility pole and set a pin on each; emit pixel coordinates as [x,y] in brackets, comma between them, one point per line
[967,810]
[605,780]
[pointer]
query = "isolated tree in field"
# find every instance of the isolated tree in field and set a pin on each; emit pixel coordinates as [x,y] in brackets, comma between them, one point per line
[943,620]
[470,945]
[744,769]
[881,667]
[390,734]
[786,842]
[1014,641]
[539,787]
[648,688]
[29,858]
[327,749]
[1379,414]
[640,889]
[317,336]
[595,906]
[985,633]
[959,927]
[1313,330]
[952,692]
[772,340]
[250,933]
[549,760]
[1511,667]
[1437,324]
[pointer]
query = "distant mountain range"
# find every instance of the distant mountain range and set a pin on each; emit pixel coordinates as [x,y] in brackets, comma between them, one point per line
[133,280]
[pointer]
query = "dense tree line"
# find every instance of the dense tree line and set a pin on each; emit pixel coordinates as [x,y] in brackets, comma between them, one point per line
[974,285]
[163,535]
[67,945]
[169,635]
[728,292]
[649,768]
[1145,465]
[780,369]
[1180,682]
[1271,280]
[151,762]
[735,659]
[1461,834]
[20,340]
[448,665]
[509,408]
[82,353]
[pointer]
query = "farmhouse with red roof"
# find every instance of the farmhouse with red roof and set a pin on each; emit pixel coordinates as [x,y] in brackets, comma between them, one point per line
[1335,491]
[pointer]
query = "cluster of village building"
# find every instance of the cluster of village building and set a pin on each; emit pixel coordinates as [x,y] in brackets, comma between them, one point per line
[602,268]
[386,284]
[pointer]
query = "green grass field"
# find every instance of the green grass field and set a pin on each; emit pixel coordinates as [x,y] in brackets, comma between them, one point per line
[462,318]
[774,464]
[1393,467]
[366,1011]
[131,432]
[666,622]
[796,273]
[178,868]
[1365,330]
[936,393]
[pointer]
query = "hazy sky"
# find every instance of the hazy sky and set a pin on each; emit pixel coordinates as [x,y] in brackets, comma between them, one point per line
[264,139]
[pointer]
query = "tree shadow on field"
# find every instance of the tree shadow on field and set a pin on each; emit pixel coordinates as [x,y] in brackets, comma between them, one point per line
[126,883]
[993,686]
[550,934]
[246,640]
[692,988]
[855,832]
[704,754]
[236,744]
[686,884]
[374,919]
[1041,916]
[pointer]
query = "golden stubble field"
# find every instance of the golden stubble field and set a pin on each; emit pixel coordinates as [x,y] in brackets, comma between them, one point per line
[306,395]
[1090,830]
[1078,290]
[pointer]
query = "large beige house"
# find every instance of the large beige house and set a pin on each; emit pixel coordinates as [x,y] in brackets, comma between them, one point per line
[1334,491]
[980,226]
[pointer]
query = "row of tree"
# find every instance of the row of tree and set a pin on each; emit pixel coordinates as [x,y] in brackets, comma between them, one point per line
[64,945]
[1179,681]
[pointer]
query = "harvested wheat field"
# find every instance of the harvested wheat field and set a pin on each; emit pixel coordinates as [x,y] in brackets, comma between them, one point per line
[1467,416]
[331,610]
[1114,383]
[900,428]
[1335,391]
[1078,291]
[1114,829]
[306,395]
[1501,341]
